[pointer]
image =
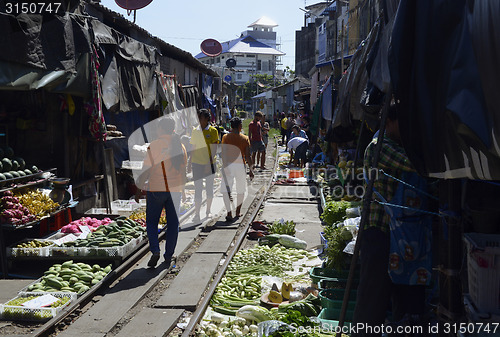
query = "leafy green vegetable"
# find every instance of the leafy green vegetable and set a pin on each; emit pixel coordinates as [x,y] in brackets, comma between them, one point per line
[334,211]
[282,227]
[297,318]
[337,240]
[309,306]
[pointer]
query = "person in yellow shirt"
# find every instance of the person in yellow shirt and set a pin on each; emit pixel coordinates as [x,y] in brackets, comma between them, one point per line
[283,127]
[203,141]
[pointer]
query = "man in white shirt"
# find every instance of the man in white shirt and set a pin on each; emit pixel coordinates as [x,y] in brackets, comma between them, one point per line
[299,145]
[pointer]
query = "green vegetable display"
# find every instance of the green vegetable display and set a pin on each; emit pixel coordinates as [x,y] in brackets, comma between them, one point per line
[335,211]
[337,238]
[70,277]
[309,306]
[264,260]
[282,227]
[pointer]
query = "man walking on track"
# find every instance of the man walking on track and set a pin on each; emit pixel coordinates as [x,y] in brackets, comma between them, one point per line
[235,151]
[257,146]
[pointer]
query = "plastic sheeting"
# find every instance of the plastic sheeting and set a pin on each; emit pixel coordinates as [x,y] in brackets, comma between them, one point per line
[32,58]
[353,83]
[128,70]
[444,69]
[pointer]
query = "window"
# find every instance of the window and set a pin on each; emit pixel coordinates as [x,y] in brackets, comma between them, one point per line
[218,60]
[250,55]
[259,65]
[239,76]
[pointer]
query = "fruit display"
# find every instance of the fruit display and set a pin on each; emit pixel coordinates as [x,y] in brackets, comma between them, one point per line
[91,223]
[34,244]
[70,277]
[38,204]
[13,211]
[30,247]
[15,309]
[140,216]
[13,168]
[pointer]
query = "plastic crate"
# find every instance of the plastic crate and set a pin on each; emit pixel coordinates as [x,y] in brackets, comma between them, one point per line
[14,252]
[329,319]
[117,251]
[332,283]
[483,267]
[100,211]
[319,273]
[20,313]
[333,298]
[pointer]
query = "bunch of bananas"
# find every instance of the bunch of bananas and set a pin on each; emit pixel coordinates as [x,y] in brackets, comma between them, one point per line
[37,203]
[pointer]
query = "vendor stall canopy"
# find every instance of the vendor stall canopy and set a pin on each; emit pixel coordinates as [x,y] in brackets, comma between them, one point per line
[447,80]
[440,60]
[45,52]
[56,53]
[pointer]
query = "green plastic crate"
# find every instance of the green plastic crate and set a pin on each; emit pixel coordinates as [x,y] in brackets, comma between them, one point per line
[333,298]
[329,314]
[319,273]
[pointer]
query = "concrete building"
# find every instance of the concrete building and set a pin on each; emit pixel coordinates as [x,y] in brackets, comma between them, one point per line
[255,52]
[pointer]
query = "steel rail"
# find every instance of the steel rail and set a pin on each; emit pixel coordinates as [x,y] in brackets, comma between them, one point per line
[201,308]
[113,275]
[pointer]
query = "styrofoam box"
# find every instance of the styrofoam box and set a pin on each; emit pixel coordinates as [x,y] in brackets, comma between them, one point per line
[20,313]
[483,264]
[124,205]
[97,211]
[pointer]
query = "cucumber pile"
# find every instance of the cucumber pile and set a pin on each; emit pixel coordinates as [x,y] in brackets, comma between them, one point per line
[76,277]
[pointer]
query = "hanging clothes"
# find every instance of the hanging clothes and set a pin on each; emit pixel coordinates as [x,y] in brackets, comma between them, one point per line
[316,119]
[97,126]
[169,91]
[327,101]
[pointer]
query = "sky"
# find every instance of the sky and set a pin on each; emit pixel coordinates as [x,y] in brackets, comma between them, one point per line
[186,23]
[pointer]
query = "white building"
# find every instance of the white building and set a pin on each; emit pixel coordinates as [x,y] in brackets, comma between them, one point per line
[254,52]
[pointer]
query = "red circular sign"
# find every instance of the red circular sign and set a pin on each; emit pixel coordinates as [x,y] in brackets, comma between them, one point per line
[211,47]
[132,5]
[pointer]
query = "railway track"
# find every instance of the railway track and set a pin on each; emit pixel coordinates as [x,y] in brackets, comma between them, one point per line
[62,324]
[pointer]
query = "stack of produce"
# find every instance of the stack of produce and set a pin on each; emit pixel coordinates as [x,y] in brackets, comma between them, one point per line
[13,212]
[37,203]
[12,167]
[241,285]
[140,217]
[34,244]
[336,234]
[91,223]
[19,308]
[76,277]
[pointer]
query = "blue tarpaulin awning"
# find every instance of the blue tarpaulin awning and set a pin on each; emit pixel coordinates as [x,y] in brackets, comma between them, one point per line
[331,8]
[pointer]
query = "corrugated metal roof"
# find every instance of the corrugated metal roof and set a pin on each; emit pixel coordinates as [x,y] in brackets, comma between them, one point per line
[166,48]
